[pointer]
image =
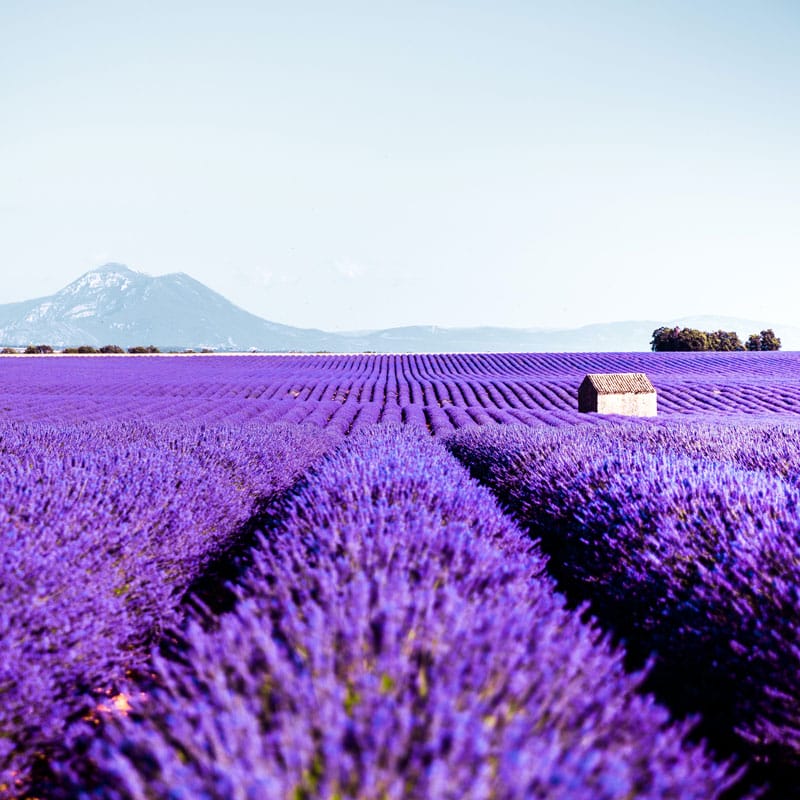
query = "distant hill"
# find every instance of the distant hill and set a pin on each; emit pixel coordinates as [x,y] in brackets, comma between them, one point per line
[116,305]
[618,336]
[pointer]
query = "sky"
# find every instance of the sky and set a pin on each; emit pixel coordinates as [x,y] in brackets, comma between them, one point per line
[361,165]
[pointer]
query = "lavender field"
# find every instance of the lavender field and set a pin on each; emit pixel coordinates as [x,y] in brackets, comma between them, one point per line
[418,576]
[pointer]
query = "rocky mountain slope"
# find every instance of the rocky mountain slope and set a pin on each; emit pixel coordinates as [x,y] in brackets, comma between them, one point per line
[115,305]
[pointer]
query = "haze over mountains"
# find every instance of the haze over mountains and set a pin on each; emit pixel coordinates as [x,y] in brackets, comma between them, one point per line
[116,305]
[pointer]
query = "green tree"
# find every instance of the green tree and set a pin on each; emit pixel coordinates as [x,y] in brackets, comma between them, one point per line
[769,341]
[693,339]
[140,350]
[662,340]
[84,349]
[679,339]
[766,340]
[726,341]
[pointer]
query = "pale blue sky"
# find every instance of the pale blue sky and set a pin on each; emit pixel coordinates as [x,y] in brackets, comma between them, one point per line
[361,165]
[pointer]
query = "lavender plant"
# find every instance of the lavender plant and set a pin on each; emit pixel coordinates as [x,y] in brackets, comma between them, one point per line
[123,480]
[695,560]
[397,637]
[491,388]
[103,530]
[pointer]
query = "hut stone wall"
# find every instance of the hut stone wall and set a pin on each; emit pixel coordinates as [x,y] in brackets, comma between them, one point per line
[632,405]
[629,394]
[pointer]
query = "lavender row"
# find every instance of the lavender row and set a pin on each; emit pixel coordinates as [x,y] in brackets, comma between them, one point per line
[103,529]
[746,442]
[489,388]
[695,560]
[396,638]
[341,417]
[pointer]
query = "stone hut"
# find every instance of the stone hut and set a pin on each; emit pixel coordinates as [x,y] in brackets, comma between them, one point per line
[628,393]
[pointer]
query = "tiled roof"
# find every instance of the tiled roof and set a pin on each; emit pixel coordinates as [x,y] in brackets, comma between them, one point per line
[620,383]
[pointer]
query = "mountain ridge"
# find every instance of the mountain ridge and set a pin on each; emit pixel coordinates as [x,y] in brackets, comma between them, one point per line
[113,304]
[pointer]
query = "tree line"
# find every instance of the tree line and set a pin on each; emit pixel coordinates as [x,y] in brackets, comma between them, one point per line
[691,339]
[84,349]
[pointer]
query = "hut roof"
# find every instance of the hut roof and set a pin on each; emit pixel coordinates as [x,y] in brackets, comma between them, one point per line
[620,383]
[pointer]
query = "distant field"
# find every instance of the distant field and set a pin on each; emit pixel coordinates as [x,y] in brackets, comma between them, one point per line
[443,392]
[394,555]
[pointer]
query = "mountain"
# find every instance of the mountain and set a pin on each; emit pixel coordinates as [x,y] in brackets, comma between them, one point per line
[116,305]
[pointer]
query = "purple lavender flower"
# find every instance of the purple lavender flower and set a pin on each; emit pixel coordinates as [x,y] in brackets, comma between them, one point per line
[396,636]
